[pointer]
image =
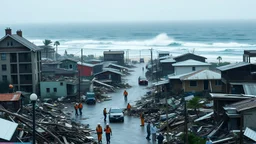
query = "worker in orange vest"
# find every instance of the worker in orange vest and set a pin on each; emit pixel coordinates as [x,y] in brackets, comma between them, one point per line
[125,93]
[76,108]
[129,108]
[80,106]
[108,132]
[99,133]
[142,119]
[105,114]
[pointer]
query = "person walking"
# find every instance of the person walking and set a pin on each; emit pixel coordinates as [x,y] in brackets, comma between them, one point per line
[99,133]
[108,132]
[160,138]
[142,119]
[129,108]
[105,114]
[125,93]
[153,132]
[80,106]
[148,131]
[76,109]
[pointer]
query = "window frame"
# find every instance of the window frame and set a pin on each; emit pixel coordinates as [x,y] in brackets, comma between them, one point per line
[48,90]
[55,90]
[193,68]
[3,78]
[3,56]
[3,67]
[191,83]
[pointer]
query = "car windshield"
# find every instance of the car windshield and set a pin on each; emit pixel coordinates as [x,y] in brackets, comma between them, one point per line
[116,111]
[143,78]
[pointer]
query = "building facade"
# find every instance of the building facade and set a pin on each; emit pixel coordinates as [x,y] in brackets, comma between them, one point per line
[117,56]
[20,62]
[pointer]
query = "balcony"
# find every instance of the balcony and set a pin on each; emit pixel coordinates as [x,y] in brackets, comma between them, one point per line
[14,68]
[24,57]
[25,68]
[13,57]
[25,79]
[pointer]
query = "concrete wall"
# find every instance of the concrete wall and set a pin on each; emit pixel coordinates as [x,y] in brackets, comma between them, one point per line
[182,69]
[66,64]
[61,89]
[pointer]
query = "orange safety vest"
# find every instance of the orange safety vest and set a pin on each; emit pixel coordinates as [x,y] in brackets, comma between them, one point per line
[125,93]
[76,106]
[142,116]
[129,106]
[107,130]
[80,105]
[99,130]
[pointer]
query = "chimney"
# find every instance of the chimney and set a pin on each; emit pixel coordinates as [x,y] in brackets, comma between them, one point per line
[8,31]
[19,33]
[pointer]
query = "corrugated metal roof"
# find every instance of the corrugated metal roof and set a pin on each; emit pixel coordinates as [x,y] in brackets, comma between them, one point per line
[232,66]
[173,76]
[109,70]
[250,133]
[165,57]
[122,67]
[249,88]
[191,62]
[202,75]
[230,96]
[189,54]
[168,60]
[207,116]
[161,82]
[86,64]
[7,129]
[69,59]
[10,97]
[244,105]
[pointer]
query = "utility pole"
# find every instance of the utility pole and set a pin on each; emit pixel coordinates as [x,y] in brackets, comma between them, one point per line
[241,128]
[186,122]
[140,53]
[151,53]
[79,74]
[166,112]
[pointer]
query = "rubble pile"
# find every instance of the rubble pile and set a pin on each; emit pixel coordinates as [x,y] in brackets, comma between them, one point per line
[53,125]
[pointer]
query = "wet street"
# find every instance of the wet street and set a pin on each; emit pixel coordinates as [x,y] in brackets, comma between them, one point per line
[129,132]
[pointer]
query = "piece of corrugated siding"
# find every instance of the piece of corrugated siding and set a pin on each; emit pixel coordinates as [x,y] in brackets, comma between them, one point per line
[7,129]
[250,133]
[249,89]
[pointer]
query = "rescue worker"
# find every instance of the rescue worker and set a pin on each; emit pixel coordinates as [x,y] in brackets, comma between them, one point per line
[80,106]
[160,138]
[99,133]
[108,133]
[148,131]
[129,108]
[105,114]
[125,93]
[76,108]
[142,119]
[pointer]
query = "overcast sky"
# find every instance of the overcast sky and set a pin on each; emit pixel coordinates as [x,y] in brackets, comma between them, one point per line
[49,11]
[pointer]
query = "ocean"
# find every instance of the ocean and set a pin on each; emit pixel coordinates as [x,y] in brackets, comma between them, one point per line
[211,39]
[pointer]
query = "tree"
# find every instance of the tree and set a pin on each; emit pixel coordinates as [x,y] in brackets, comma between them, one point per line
[219,58]
[66,53]
[56,43]
[195,104]
[47,43]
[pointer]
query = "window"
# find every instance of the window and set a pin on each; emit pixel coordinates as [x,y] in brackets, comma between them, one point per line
[193,68]
[47,90]
[70,66]
[218,82]
[4,67]
[4,77]
[55,89]
[193,83]
[61,83]
[11,44]
[3,56]
[8,44]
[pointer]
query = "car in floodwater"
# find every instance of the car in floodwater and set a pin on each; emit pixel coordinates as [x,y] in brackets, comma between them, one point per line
[116,114]
[142,81]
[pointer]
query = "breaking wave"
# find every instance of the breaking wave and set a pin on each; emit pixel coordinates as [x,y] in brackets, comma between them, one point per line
[160,40]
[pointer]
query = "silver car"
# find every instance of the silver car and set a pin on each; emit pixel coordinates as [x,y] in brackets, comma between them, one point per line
[116,114]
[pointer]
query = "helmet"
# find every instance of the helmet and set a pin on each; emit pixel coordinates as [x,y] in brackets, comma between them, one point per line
[107,124]
[98,123]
